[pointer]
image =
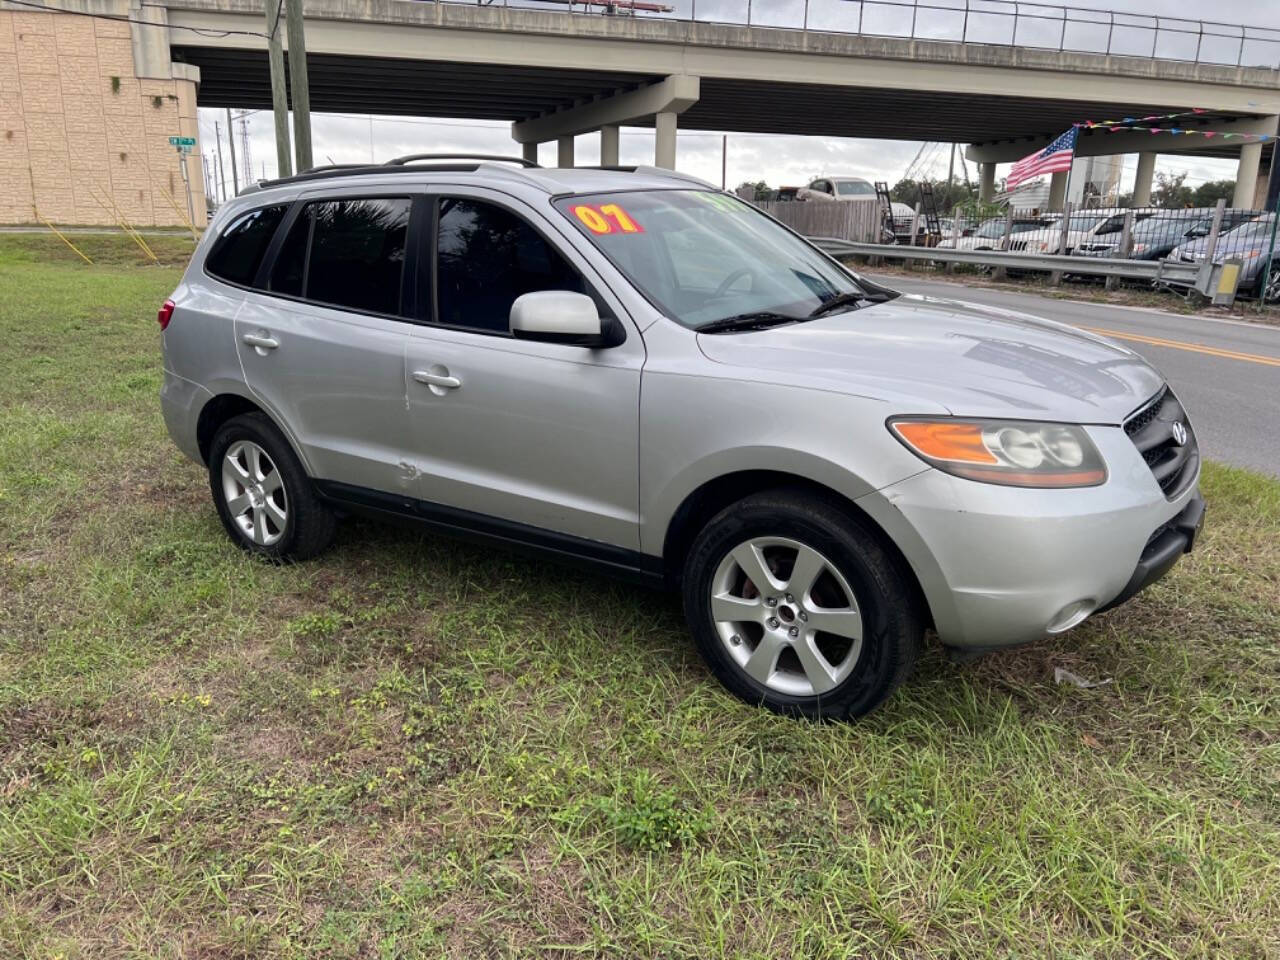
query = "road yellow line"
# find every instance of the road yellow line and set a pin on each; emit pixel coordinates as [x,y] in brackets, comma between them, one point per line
[1192,347]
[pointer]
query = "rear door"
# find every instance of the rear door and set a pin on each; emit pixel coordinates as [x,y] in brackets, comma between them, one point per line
[322,341]
[543,435]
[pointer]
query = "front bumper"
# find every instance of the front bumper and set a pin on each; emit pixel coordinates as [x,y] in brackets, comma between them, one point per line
[1001,566]
[1163,550]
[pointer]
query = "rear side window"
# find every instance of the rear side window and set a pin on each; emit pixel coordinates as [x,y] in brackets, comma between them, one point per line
[238,252]
[486,257]
[289,270]
[348,253]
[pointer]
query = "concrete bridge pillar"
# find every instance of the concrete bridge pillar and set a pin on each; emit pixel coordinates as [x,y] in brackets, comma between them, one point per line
[609,145]
[987,183]
[1142,182]
[529,151]
[664,147]
[1058,190]
[663,101]
[1247,176]
[564,151]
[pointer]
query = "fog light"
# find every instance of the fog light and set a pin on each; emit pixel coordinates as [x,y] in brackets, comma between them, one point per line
[1070,615]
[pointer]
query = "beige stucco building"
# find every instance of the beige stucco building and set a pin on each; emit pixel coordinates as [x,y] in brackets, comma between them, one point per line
[87,106]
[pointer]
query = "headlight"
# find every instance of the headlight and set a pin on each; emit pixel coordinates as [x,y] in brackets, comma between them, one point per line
[1010,452]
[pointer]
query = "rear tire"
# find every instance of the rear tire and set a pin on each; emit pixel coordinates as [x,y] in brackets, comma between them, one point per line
[821,568]
[264,497]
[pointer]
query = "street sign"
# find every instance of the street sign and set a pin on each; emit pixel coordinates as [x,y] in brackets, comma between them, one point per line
[182,141]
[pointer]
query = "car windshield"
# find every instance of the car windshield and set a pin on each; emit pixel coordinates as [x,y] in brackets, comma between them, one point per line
[702,257]
[1085,221]
[990,230]
[1252,230]
[1162,226]
[855,188]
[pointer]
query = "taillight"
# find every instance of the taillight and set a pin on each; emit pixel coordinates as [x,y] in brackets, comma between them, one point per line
[165,314]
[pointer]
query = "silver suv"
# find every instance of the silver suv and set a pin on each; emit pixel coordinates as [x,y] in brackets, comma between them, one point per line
[631,368]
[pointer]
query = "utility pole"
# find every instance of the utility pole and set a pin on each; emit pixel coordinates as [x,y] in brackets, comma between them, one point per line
[724,159]
[279,93]
[298,85]
[222,177]
[231,142]
[245,158]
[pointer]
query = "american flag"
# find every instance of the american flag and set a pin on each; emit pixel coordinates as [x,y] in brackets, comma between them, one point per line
[1054,158]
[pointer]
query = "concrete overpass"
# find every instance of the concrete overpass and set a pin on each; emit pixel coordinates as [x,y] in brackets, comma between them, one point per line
[556,74]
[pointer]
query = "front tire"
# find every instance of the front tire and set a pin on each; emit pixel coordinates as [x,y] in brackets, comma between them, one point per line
[796,605]
[1269,292]
[264,497]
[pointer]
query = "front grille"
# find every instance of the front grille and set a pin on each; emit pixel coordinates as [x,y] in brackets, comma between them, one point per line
[1152,431]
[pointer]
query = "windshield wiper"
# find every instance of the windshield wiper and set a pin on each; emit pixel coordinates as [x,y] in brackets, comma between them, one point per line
[748,321]
[845,299]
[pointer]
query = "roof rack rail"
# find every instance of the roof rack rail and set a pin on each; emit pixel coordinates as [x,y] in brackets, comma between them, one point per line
[399,165]
[491,157]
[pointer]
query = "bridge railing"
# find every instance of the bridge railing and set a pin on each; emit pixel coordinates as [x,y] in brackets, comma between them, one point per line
[1044,26]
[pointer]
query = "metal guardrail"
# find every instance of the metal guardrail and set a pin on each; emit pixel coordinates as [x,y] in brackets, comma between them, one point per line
[1044,26]
[1164,271]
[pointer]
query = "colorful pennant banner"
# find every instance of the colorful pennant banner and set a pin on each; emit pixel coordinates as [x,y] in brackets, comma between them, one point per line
[1140,124]
[1131,121]
[1182,132]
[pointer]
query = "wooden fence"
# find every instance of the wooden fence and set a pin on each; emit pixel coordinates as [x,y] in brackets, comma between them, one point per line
[858,221]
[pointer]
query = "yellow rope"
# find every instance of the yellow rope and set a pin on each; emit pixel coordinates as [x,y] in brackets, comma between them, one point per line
[63,238]
[110,206]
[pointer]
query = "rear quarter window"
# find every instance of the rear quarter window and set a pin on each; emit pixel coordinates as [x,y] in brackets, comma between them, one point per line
[237,254]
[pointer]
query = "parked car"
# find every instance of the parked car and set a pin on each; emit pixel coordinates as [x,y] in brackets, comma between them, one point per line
[990,233]
[844,188]
[1087,227]
[635,370]
[1155,237]
[1251,244]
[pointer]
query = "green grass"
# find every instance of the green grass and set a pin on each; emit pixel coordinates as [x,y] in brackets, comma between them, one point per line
[413,747]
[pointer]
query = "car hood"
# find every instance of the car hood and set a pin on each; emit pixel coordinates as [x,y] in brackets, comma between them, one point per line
[921,353]
[1228,246]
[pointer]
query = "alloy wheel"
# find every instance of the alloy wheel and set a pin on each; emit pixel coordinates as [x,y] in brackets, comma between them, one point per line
[254,493]
[786,615]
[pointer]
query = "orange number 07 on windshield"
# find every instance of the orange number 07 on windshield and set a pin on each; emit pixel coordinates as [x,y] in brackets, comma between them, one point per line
[609,218]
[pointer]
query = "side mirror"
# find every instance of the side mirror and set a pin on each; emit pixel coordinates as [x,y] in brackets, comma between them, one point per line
[562,316]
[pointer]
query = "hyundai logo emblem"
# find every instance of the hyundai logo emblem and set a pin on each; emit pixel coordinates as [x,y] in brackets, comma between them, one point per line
[1179,433]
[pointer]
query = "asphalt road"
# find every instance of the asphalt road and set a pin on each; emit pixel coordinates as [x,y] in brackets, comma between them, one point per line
[1226,373]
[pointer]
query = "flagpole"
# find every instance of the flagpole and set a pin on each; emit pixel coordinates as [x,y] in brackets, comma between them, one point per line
[1066,204]
[1066,193]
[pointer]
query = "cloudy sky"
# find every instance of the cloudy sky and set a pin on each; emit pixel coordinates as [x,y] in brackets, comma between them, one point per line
[776,159]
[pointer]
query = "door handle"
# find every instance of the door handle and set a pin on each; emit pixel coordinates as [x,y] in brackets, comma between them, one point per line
[437,379]
[263,341]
